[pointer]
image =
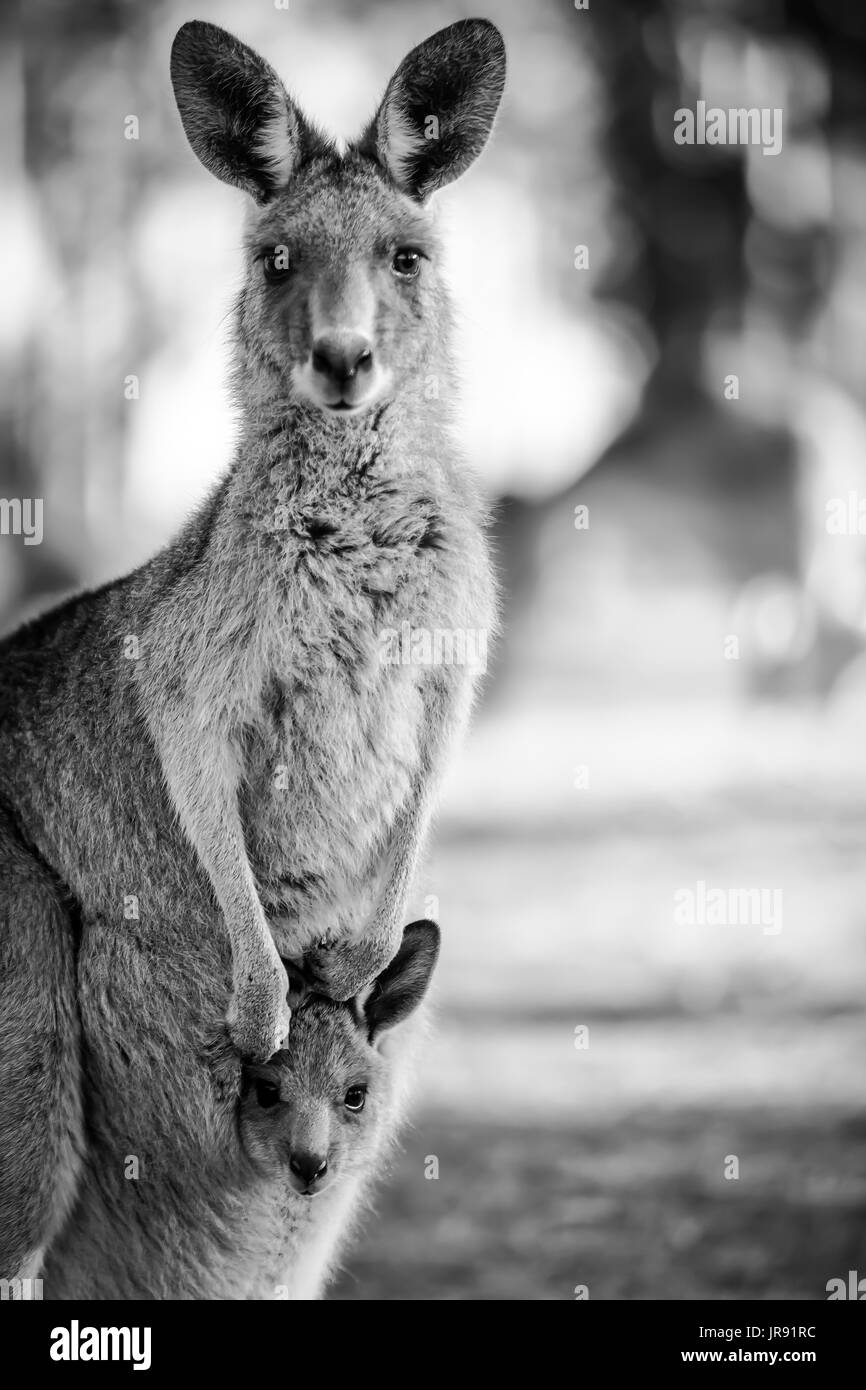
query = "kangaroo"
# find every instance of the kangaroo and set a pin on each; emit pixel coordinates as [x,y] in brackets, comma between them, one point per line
[222,759]
[321,1116]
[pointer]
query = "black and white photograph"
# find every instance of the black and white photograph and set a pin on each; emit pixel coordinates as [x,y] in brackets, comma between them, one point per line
[433,664]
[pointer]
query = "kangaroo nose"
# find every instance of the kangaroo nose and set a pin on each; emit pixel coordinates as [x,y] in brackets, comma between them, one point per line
[308,1167]
[341,356]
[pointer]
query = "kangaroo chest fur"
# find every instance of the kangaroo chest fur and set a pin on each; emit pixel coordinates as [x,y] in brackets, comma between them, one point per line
[325,728]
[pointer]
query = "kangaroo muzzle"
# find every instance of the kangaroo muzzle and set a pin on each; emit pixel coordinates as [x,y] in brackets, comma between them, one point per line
[343,368]
[308,1171]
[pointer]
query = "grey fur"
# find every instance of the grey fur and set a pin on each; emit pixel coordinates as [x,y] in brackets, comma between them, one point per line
[332,1048]
[206,763]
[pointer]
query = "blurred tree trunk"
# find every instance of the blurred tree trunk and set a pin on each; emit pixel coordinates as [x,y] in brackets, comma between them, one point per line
[78,184]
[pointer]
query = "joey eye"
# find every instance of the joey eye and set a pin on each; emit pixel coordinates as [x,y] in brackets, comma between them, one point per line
[276,265]
[355,1097]
[267,1093]
[406,263]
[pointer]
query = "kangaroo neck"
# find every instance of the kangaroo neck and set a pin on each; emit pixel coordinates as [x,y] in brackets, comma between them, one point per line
[300,450]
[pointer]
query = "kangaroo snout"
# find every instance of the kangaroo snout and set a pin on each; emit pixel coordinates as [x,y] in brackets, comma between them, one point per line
[340,357]
[309,1171]
[343,374]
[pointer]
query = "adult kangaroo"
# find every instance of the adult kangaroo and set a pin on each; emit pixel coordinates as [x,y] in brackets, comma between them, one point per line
[230,756]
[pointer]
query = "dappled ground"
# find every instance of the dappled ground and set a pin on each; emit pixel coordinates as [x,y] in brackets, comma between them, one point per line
[638,1208]
[604,1165]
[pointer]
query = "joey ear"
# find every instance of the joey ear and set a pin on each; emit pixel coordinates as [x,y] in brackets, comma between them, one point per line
[398,991]
[236,113]
[299,987]
[439,107]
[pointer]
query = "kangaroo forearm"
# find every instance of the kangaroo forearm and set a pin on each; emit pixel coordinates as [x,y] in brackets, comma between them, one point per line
[202,776]
[404,864]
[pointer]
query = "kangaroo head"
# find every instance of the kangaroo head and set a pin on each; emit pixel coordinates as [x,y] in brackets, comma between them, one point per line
[318,1108]
[343,302]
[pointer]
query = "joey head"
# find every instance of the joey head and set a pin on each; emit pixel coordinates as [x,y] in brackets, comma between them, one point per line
[321,1111]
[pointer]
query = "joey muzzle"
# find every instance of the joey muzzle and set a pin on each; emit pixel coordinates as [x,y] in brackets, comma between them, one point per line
[309,1171]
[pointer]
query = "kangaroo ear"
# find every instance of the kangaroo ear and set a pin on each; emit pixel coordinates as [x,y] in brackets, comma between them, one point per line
[299,988]
[402,985]
[236,113]
[439,107]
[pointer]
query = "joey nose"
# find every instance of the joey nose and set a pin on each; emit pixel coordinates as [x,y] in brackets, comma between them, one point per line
[309,1168]
[342,356]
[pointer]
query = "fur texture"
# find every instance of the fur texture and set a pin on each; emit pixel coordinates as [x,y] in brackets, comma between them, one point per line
[207,764]
[295,1106]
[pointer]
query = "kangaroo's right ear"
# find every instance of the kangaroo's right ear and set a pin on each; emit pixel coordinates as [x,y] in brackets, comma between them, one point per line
[439,107]
[399,989]
[237,115]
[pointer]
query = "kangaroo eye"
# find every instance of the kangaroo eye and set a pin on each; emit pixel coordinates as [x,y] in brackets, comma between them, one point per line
[355,1097]
[277,265]
[267,1093]
[406,263]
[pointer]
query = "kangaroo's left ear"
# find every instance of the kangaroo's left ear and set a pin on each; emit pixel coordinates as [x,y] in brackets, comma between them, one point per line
[398,991]
[439,107]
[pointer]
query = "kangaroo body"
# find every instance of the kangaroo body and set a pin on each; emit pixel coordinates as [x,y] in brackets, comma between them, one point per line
[212,762]
[277,627]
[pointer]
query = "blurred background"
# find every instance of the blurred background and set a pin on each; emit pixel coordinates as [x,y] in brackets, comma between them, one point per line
[672,414]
